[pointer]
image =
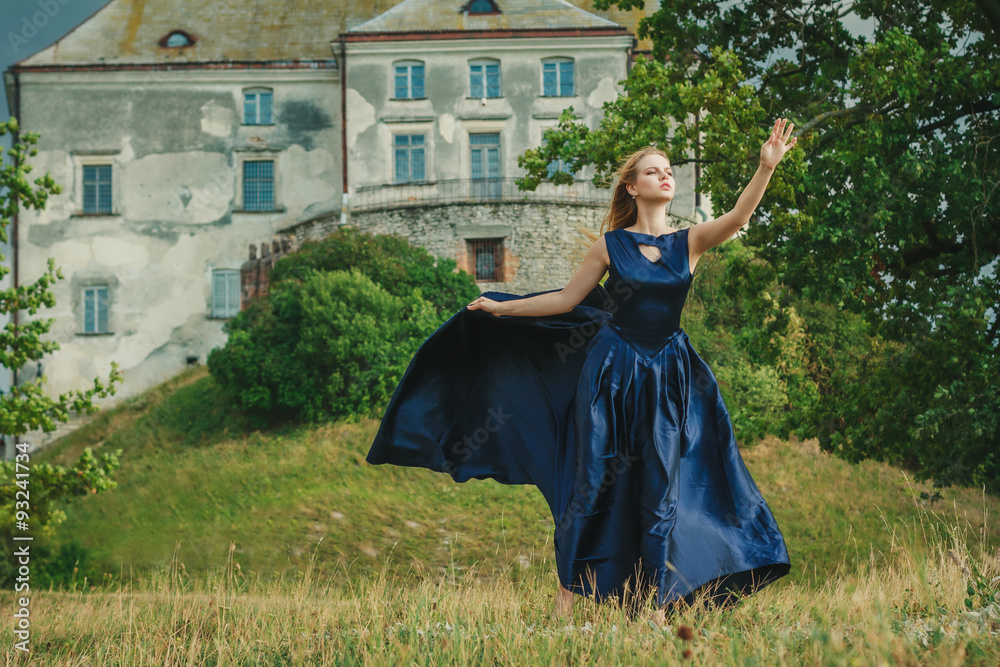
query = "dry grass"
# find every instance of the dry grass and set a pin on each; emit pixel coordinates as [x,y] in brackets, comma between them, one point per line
[907,609]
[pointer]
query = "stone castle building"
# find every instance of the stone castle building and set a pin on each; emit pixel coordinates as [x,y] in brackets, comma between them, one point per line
[182,133]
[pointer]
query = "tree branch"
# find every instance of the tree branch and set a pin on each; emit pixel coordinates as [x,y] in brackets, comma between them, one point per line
[827,115]
[972,108]
[923,253]
[991,10]
[766,78]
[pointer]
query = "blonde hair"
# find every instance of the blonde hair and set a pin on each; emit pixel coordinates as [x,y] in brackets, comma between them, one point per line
[622,210]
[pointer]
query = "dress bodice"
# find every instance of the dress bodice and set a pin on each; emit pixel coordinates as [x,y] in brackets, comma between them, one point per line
[647,297]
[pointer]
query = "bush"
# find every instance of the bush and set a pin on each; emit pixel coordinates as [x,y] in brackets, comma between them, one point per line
[343,319]
[332,347]
[390,261]
[756,398]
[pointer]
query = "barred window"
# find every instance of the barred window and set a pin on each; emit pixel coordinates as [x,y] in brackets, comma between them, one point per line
[487,256]
[258,185]
[97,188]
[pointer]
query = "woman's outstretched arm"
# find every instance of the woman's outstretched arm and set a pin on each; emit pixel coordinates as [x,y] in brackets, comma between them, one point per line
[707,235]
[594,266]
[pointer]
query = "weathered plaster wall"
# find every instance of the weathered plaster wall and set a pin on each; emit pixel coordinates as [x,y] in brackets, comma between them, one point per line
[176,142]
[449,114]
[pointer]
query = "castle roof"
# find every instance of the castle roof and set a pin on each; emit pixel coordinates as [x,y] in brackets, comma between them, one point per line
[461,15]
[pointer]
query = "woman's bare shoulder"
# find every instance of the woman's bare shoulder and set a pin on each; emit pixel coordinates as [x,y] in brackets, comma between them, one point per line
[600,249]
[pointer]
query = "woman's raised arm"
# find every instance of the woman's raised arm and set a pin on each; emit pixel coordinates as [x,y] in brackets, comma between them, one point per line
[706,235]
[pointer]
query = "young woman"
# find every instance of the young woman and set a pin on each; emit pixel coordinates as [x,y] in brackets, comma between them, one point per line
[595,395]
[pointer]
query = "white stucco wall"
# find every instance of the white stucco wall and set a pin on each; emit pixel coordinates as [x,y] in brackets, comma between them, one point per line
[176,141]
[449,114]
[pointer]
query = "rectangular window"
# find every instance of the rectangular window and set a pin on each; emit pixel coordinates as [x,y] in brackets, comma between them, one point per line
[97,188]
[409,81]
[410,165]
[258,185]
[557,79]
[225,293]
[257,107]
[484,80]
[556,165]
[485,165]
[488,257]
[95,309]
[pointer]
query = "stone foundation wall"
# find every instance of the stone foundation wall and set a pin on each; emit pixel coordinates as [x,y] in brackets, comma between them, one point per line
[538,239]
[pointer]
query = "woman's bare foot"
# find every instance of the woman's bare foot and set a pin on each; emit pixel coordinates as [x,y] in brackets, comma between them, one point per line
[564,603]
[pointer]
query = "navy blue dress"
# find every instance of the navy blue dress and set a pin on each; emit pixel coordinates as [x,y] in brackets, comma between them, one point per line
[611,413]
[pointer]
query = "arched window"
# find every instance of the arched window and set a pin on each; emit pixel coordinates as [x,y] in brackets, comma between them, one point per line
[481,7]
[409,79]
[257,103]
[557,77]
[484,78]
[177,39]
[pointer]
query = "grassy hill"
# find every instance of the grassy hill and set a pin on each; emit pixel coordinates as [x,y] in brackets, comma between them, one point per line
[193,474]
[211,516]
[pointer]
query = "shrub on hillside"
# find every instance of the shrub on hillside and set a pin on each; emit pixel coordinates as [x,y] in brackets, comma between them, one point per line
[315,349]
[756,399]
[332,346]
[390,261]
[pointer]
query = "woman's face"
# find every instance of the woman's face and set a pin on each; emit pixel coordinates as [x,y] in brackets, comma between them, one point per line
[654,179]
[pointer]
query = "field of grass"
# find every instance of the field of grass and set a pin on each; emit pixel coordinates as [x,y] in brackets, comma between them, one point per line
[224,545]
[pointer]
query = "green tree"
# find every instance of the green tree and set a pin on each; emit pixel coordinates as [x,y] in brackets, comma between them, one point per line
[31,499]
[889,210]
[27,407]
[31,495]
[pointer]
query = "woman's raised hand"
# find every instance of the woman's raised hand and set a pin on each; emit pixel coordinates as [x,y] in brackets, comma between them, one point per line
[775,147]
[489,305]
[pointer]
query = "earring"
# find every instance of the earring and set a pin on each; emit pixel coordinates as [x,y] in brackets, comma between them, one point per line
[633,197]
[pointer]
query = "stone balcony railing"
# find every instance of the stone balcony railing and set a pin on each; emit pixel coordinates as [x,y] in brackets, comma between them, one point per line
[473,191]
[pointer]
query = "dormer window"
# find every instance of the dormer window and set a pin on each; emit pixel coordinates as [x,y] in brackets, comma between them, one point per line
[177,39]
[481,7]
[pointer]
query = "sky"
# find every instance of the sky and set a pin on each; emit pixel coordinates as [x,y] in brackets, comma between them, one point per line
[28,26]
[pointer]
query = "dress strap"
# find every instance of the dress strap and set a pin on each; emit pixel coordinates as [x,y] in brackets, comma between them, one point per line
[613,241]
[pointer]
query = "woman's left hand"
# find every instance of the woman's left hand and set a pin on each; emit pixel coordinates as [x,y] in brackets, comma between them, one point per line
[775,147]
